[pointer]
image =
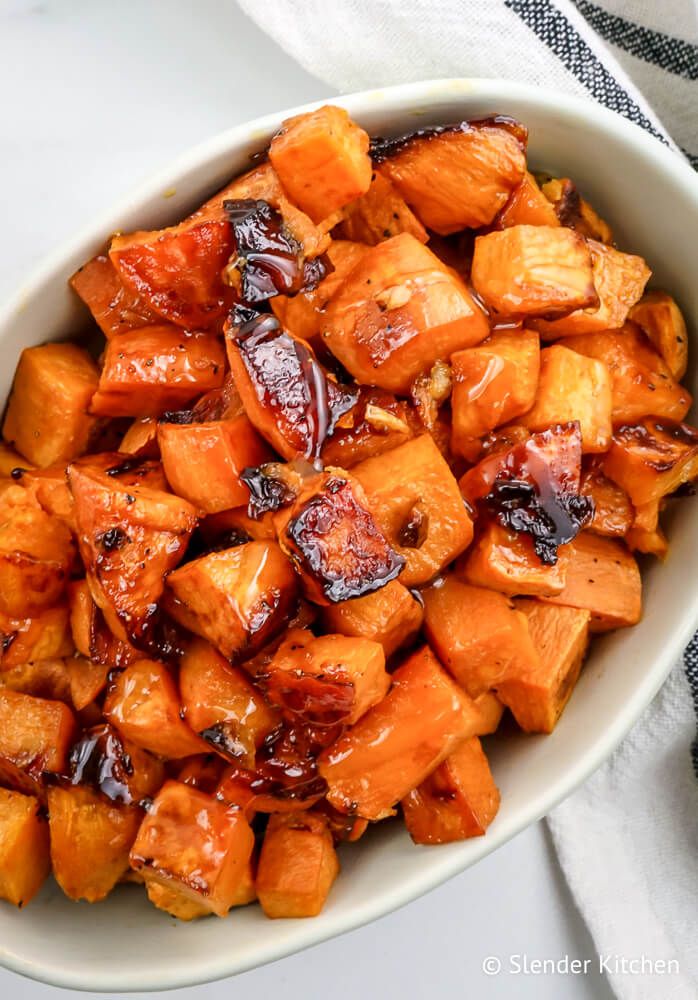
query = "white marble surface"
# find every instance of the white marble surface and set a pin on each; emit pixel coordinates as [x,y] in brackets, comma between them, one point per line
[95,95]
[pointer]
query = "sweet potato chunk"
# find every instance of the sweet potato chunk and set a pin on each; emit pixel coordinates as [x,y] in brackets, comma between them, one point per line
[143,705]
[114,306]
[398,311]
[41,678]
[574,389]
[642,384]
[164,897]
[194,844]
[334,541]
[619,279]
[459,800]
[35,735]
[379,214]
[141,438]
[203,461]
[660,319]
[157,368]
[400,741]
[527,206]
[238,599]
[505,560]
[613,512]
[390,616]
[457,176]
[221,704]
[572,210]
[653,458]
[416,502]
[538,692]
[322,160]
[477,634]
[45,636]
[377,423]
[47,416]
[24,848]
[90,841]
[87,680]
[324,681]
[492,383]
[491,711]
[96,642]
[231,527]
[108,763]
[533,271]
[297,865]
[604,579]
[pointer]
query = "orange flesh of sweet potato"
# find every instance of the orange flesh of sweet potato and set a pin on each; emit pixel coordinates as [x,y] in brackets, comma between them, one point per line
[143,705]
[238,599]
[613,512]
[572,210]
[157,368]
[378,423]
[322,160]
[237,523]
[114,306]
[570,389]
[90,841]
[35,735]
[47,416]
[203,462]
[24,848]
[477,634]
[459,800]
[42,678]
[619,279]
[222,705]
[527,206]
[379,214]
[297,865]
[642,383]
[491,711]
[416,476]
[141,438]
[400,741]
[660,319]
[11,460]
[533,271]
[326,680]
[397,312]
[653,542]
[195,844]
[45,636]
[604,579]
[538,693]
[458,177]
[87,681]
[492,384]
[390,616]
[95,641]
[505,560]
[107,762]
[652,458]
[166,898]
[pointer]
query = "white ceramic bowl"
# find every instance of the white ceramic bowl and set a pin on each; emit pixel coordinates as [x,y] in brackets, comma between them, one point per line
[650,198]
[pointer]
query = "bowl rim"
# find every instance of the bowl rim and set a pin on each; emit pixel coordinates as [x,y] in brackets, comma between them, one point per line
[398,98]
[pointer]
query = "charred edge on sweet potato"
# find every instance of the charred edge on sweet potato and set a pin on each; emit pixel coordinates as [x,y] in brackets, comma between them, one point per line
[382,149]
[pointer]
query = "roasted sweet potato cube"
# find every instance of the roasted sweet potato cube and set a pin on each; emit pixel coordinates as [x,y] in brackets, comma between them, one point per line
[41,678]
[492,384]
[642,384]
[397,312]
[87,680]
[477,634]
[114,306]
[458,800]
[106,761]
[24,848]
[654,543]
[157,368]
[203,462]
[297,865]
[334,541]
[527,206]
[378,214]
[143,704]
[505,560]
[238,598]
[572,210]
[35,736]
[613,512]
[49,487]
[221,704]
[533,271]
[326,680]
[129,538]
[377,423]
[400,741]
[491,711]
[322,160]
[573,389]
[90,841]
[101,651]
[416,502]
[391,616]
[141,438]
[537,693]
[653,458]
[231,527]
[45,636]
[604,579]
[619,279]
[194,844]
[11,460]
[455,177]
[174,902]
[47,416]
[660,319]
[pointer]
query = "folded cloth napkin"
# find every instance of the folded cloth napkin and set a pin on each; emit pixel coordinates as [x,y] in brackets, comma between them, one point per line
[627,840]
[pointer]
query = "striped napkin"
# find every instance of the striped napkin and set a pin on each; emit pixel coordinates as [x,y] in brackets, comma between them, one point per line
[628,839]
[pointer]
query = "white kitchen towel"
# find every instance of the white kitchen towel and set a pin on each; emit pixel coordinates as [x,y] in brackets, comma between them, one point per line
[628,840]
